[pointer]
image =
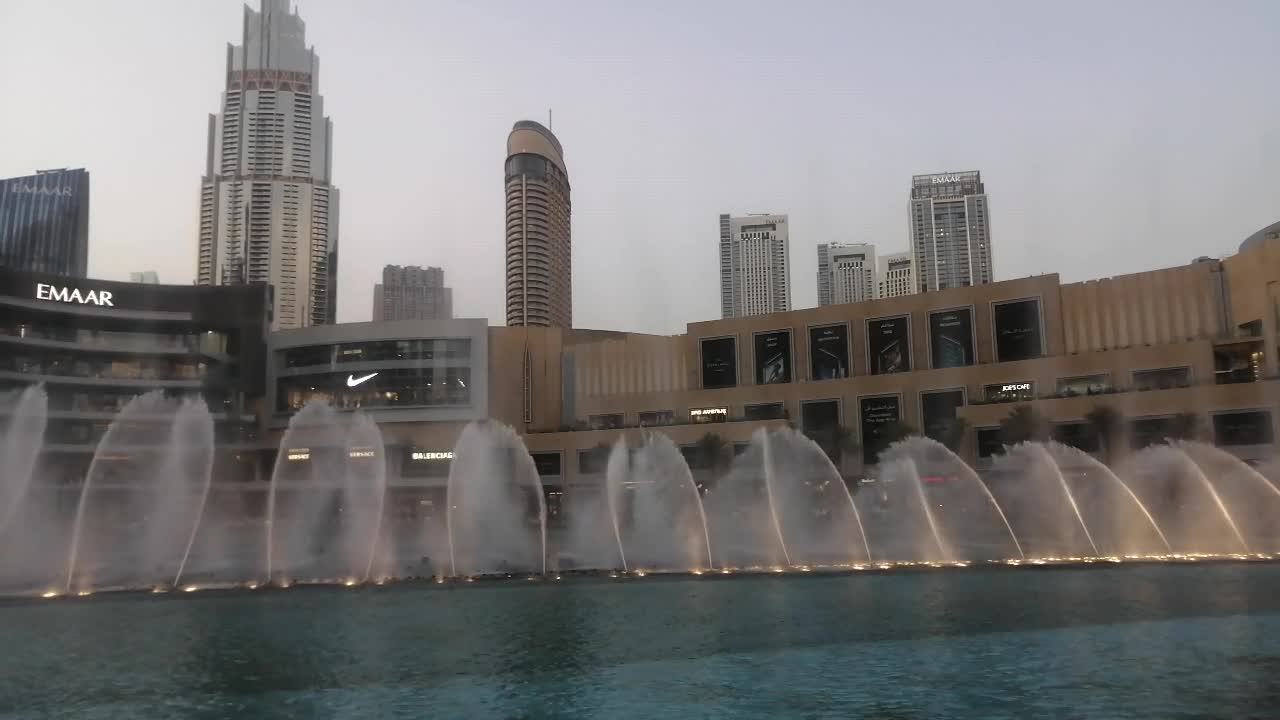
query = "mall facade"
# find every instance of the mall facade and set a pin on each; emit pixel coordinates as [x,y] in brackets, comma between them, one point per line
[1200,338]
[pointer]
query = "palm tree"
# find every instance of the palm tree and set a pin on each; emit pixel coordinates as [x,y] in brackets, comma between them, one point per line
[895,431]
[1023,424]
[1105,421]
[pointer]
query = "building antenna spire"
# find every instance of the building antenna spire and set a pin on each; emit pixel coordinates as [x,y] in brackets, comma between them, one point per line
[549,126]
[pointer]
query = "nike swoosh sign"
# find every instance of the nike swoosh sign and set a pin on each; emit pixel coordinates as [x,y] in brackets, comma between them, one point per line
[353,381]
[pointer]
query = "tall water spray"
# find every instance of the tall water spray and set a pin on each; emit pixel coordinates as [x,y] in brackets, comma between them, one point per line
[327,498]
[655,507]
[142,497]
[495,508]
[20,446]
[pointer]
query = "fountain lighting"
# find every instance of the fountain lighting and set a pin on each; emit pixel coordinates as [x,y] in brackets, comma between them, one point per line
[935,565]
[49,594]
[885,566]
[726,571]
[470,579]
[859,567]
[252,586]
[696,572]
[1038,561]
[960,564]
[84,593]
[804,568]
[1115,559]
[349,582]
[159,589]
[531,578]
[557,577]
[439,581]
[613,574]
[1012,561]
[190,588]
[778,569]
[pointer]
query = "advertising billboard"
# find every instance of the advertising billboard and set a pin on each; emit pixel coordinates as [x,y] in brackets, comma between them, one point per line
[889,345]
[720,363]
[773,357]
[878,415]
[951,338]
[1017,329]
[829,352]
[938,410]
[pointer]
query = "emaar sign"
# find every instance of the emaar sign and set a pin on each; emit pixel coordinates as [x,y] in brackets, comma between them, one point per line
[55,293]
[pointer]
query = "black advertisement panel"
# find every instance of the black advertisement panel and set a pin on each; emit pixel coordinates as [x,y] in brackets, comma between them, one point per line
[951,338]
[719,363]
[1018,330]
[889,344]
[773,357]
[878,415]
[829,352]
[938,410]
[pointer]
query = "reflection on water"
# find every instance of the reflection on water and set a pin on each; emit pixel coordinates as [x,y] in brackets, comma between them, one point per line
[1119,642]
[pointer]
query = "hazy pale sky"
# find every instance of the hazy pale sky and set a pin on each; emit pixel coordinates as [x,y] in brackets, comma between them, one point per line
[1112,137]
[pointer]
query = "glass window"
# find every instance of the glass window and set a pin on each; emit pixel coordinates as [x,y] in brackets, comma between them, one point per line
[308,356]
[989,442]
[1162,379]
[548,463]
[658,417]
[1243,428]
[1084,385]
[609,421]
[399,387]
[765,411]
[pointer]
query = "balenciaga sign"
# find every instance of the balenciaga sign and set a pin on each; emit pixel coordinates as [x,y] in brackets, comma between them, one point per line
[45,291]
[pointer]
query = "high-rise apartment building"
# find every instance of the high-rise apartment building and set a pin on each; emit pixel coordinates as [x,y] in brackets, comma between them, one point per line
[412,293]
[950,231]
[539,243]
[268,207]
[755,265]
[846,273]
[44,222]
[895,276]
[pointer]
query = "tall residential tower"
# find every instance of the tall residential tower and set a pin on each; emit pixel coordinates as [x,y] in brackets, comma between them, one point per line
[846,273]
[412,293]
[268,207]
[539,244]
[755,265]
[950,231]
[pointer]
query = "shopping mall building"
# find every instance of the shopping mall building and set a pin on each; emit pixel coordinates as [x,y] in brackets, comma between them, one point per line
[1199,338]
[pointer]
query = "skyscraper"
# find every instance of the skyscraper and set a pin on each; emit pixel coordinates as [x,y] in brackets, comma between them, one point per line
[950,231]
[846,273]
[146,277]
[539,245]
[44,222]
[755,265]
[895,276]
[412,293]
[268,208]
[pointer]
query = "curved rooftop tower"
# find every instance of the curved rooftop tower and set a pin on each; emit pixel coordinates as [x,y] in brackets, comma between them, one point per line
[539,247]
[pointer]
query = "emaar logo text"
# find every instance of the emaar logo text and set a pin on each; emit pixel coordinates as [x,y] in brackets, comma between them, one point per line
[73,295]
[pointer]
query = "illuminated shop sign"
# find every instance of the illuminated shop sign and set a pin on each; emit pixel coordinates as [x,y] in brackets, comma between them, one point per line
[939,179]
[298,454]
[1006,392]
[423,455]
[703,412]
[44,291]
[361,453]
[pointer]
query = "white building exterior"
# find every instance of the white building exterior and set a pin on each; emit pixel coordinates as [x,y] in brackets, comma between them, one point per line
[896,275]
[846,273]
[755,265]
[268,208]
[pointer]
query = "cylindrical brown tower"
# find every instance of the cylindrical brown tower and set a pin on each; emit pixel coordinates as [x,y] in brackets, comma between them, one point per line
[539,248]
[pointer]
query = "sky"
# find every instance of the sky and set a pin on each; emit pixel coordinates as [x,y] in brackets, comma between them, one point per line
[1113,137]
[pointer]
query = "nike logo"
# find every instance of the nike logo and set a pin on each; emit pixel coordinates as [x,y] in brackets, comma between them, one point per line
[353,381]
